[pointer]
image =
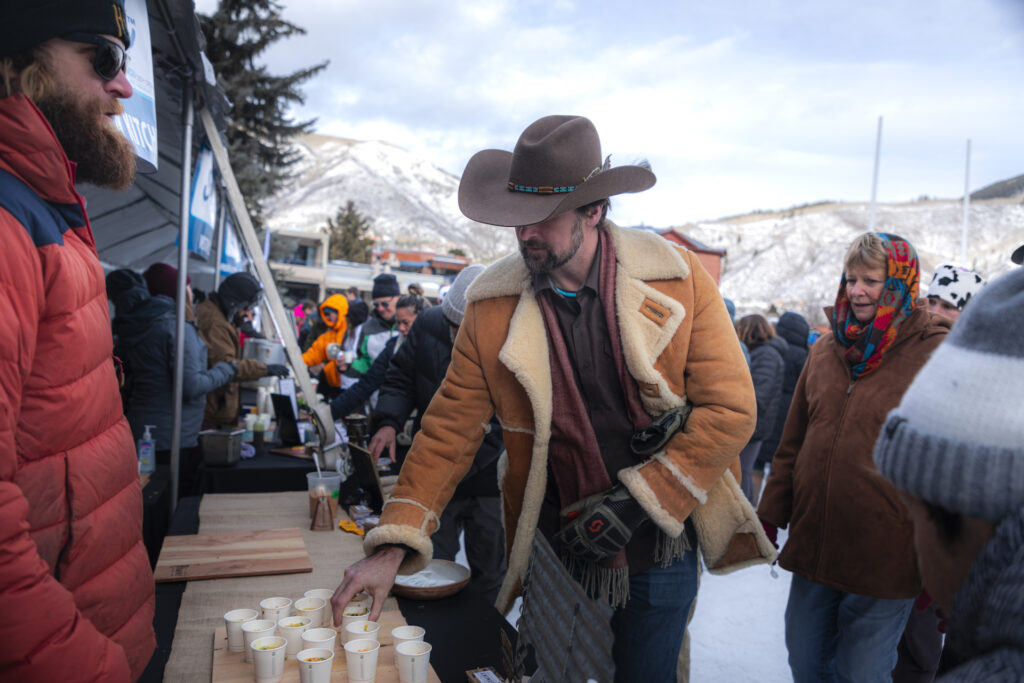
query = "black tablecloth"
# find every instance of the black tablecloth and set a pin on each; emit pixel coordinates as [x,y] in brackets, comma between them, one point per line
[265,473]
[465,618]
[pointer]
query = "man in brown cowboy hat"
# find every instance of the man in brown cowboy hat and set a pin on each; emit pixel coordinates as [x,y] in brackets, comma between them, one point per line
[592,346]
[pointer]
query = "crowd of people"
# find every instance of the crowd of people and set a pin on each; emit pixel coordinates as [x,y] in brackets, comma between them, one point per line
[591,389]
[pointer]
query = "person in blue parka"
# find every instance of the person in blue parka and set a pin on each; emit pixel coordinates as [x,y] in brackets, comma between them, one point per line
[144,339]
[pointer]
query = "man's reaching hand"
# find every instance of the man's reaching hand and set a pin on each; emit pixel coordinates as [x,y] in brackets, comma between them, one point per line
[374,574]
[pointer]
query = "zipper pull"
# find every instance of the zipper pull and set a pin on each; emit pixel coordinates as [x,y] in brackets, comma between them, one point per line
[850,388]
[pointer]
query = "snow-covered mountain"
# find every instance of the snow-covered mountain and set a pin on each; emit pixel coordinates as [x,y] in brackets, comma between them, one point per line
[411,203]
[776,261]
[792,260]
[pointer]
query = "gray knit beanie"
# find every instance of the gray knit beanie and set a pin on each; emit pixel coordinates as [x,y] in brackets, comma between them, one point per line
[957,438]
[454,304]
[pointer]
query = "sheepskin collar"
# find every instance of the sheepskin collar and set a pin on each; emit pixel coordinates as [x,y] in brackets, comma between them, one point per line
[640,254]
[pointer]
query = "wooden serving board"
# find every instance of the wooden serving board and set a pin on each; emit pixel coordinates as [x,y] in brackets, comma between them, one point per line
[231,667]
[238,553]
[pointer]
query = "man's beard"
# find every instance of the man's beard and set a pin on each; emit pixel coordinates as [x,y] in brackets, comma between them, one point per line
[545,264]
[104,156]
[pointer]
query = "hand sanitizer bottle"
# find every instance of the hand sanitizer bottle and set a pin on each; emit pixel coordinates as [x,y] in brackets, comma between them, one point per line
[147,452]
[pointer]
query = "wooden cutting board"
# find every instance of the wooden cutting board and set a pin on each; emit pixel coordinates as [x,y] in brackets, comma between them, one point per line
[238,553]
[231,667]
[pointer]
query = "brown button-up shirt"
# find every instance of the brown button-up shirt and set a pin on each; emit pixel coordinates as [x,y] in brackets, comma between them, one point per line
[585,331]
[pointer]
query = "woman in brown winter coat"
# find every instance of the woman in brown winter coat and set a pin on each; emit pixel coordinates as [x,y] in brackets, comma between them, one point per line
[850,544]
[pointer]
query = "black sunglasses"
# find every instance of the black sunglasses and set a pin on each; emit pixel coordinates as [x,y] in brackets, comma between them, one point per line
[110,56]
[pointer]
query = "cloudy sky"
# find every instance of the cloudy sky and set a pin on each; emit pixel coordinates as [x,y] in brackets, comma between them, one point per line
[738,104]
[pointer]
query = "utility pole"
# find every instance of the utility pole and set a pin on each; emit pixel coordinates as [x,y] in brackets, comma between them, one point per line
[967,207]
[874,179]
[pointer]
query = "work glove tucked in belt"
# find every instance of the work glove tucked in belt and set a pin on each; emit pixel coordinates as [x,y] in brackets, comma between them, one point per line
[600,525]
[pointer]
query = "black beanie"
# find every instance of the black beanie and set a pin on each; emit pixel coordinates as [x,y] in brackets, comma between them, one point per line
[358,312]
[385,284]
[27,23]
[237,292]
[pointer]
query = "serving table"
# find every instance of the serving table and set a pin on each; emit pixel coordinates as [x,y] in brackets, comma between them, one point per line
[463,629]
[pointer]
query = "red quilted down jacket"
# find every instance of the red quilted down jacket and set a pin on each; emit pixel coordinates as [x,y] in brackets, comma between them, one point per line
[75,584]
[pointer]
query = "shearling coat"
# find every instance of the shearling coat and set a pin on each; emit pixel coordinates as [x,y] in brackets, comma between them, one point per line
[679,345]
[847,527]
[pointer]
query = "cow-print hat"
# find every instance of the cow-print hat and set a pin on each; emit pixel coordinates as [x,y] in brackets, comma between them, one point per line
[955,285]
[957,438]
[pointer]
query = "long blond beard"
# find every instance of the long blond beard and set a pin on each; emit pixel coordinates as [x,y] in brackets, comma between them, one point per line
[104,156]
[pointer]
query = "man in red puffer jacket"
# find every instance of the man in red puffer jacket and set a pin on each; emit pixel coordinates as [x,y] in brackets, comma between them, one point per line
[75,582]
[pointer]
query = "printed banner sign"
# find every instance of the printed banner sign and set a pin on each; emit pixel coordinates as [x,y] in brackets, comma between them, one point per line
[202,215]
[138,122]
[232,258]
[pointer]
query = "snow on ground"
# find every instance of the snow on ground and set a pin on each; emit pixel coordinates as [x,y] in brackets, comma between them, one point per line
[737,633]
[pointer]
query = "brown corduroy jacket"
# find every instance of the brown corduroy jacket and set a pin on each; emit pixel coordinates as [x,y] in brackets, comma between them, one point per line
[847,527]
[678,345]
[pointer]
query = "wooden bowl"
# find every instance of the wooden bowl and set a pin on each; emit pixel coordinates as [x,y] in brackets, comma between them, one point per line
[440,579]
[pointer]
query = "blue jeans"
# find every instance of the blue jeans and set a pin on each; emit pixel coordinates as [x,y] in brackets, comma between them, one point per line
[837,636]
[649,629]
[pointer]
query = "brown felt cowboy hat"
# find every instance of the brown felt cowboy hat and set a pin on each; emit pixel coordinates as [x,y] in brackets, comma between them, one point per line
[556,167]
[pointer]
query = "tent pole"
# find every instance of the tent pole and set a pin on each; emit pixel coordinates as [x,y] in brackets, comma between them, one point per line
[179,336]
[221,227]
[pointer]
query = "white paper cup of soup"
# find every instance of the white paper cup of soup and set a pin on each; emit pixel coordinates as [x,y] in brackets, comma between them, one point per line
[291,629]
[326,594]
[314,608]
[361,658]
[315,665]
[276,609]
[413,661]
[233,621]
[268,658]
[257,628]
[403,634]
[353,613]
[319,638]
[361,629]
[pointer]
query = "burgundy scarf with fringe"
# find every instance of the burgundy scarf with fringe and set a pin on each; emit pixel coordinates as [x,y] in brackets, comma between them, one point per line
[573,452]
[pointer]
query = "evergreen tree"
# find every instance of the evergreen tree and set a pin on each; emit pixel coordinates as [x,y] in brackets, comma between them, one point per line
[258,129]
[348,236]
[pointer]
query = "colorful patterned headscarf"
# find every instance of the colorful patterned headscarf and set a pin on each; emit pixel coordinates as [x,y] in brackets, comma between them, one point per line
[865,345]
